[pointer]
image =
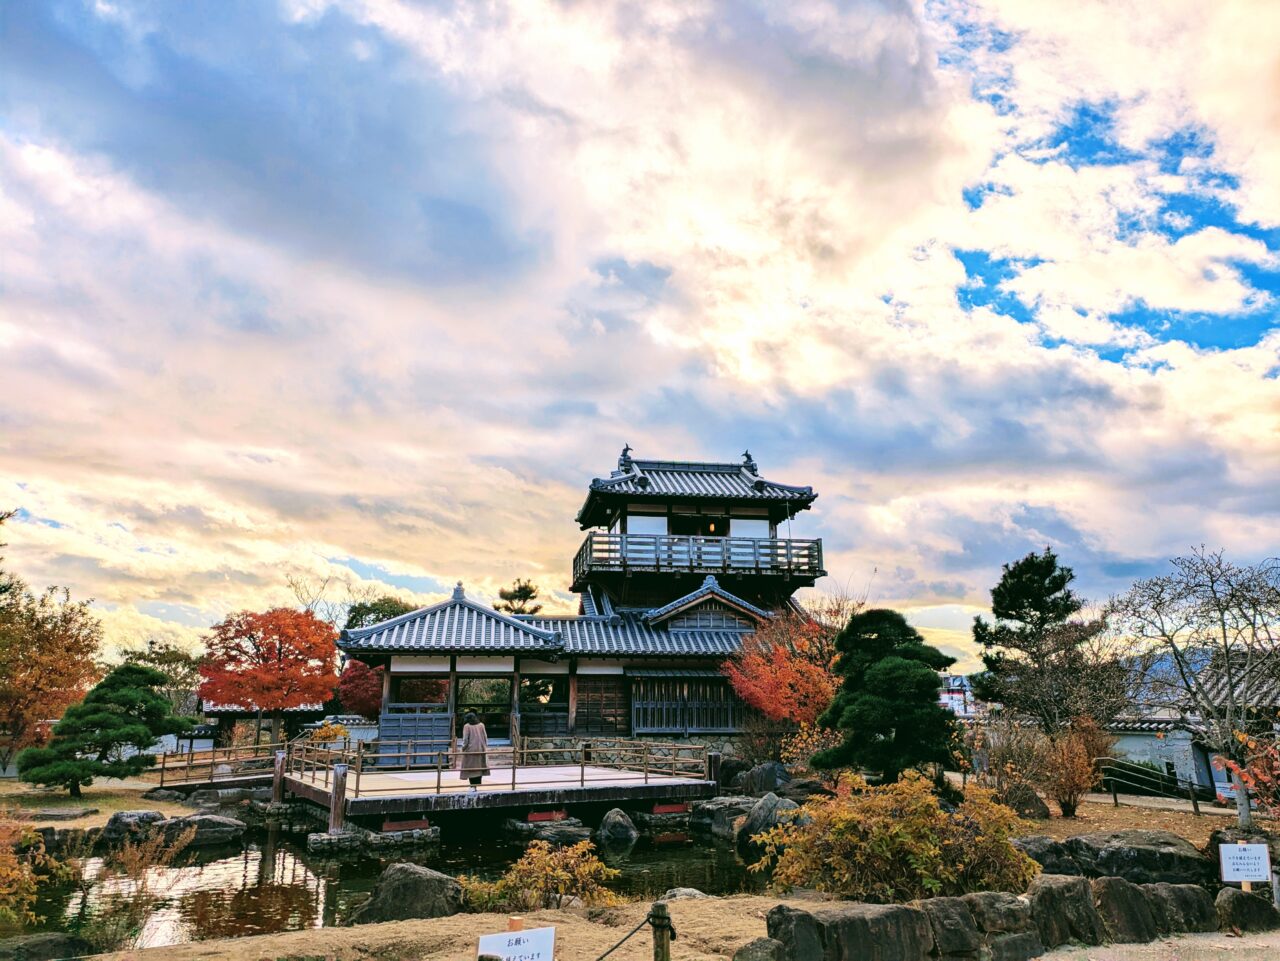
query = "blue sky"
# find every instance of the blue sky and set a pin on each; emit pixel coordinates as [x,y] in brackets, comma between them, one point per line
[369,291]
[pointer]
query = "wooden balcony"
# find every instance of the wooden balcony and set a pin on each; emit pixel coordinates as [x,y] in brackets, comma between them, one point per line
[604,552]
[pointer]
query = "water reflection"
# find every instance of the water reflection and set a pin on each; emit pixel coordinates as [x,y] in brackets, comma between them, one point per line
[272,884]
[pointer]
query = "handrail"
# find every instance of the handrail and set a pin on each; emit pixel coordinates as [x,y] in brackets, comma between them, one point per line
[606,550]
[1117,772]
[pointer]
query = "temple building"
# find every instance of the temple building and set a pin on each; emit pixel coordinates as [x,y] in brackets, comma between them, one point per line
[680,562]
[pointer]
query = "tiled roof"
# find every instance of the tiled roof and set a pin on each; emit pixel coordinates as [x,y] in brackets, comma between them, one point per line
[1143,725]
[692,479]
[626,635]
[455,626]
[710,588]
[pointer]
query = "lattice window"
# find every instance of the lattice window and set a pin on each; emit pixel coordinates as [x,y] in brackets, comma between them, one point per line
[710,617]
[602,705]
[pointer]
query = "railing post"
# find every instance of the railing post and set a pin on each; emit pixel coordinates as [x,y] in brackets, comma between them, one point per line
[1195,801]
[277,777]
[660,921]
[713,766]
[582,765]
[338,800]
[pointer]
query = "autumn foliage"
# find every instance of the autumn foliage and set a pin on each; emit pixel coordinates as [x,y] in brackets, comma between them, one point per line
[1259,772]
[270,661]
[360,689]
[784,669]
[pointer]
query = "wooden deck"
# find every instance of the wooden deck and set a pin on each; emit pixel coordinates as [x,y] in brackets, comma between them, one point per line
[435,790]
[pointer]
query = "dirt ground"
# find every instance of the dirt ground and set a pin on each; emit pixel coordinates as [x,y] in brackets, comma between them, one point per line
[707,930]
[107,796]
[1093,817]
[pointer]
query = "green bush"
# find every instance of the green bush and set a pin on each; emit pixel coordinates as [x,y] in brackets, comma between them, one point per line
[895,843]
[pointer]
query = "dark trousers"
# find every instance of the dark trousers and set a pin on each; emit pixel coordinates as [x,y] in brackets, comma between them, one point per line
[475,780]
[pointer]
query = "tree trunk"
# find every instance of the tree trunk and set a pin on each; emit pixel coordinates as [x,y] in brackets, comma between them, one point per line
[74,788]
[257,730]
[276,720]
[1242,801]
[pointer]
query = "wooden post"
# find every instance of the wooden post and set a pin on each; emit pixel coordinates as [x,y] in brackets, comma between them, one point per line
[338,799]
[663,934]
[713,766]
[1195,801]
[573,696]
[1115,794]
[386,686]
[1245,886]
[515,923]
[277,777]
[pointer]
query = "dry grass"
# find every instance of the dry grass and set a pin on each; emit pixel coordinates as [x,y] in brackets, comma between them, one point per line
[1094,817]
[108,797]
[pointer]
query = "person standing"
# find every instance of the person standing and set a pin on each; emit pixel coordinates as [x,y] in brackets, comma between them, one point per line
[474,762]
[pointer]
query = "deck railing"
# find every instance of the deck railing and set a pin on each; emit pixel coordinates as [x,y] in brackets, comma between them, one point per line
[219,763]
[604,551]
[532,764]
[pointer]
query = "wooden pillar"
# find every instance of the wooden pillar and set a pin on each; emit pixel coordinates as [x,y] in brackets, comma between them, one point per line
[386,685]
[573,695]
[277,777]
[713,766]
[453,688]
[515,701]
[338,800]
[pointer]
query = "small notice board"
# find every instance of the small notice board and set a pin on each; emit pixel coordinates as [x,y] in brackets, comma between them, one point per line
[1245,862]
[536,944]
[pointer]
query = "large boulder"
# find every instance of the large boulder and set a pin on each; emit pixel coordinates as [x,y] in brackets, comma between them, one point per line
[955,933]
[406,891]
[765,814]
[1063,910]
[1181,908]
[1006,926]
[1125,911]
[1024,800]
[45,946]
[762,778]
[617,830]
[210,829]
[1052,856]
[1143,857]
[761,949]
[130,824]
[683,894]
[718,814]
[1238,911]
[731,768]
[562,833]
[868,932]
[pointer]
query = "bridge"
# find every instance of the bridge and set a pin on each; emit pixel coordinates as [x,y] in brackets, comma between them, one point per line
[381,778]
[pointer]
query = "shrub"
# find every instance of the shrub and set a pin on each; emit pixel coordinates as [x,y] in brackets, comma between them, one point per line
[545,876]
[896,843]
[23,861]
[329,732]
[1068,771]
[799,747]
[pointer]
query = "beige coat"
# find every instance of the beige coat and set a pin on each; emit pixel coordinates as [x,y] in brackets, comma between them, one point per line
[472,761]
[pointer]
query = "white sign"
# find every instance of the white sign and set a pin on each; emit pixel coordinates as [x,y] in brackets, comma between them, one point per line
[1245,862]
[536,944]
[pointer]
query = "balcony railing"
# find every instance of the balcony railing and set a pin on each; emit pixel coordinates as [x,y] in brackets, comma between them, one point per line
[694,554]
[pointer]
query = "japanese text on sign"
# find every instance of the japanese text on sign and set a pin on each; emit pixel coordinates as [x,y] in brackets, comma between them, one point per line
[537,944]
[1245,862]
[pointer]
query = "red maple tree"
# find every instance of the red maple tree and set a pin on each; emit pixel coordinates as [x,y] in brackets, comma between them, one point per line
[360,689]
[784,669]
[270,661]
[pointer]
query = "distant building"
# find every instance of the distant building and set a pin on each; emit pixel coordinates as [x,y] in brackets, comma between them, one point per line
[680,562]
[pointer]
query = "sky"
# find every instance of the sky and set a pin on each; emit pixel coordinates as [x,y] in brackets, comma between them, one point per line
[370,290]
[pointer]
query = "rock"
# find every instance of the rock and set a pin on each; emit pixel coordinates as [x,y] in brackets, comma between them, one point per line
[163,794]
[731,768]
[562,834]
[1022,946]
[954,930]
[676,894]
[1238,911]
[762,778]
[528,830]
[1052,856]
[801,789]
[406,891]
[765,814]
[130,824]
[1143,857]
[1024,800]
[998,912]
[60,814]
[617,830]
[761,949]
[210,829]
[1125,912]
[1233,834]
[718,814]
[1063,910]
[45,946]
[868,932]
[1181,908]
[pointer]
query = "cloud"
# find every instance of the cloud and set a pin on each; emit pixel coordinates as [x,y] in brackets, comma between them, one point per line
[371,291]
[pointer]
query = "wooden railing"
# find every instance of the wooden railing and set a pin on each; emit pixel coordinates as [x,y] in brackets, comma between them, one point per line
[696,554]
[532,764]
[217,764]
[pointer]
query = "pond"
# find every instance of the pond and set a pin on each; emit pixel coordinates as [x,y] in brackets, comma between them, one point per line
[272,883]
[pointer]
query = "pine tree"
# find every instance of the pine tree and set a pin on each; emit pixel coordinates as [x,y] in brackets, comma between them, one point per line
[518,598]
[368,613]
[108,734]
[887,705]
[1043,661]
